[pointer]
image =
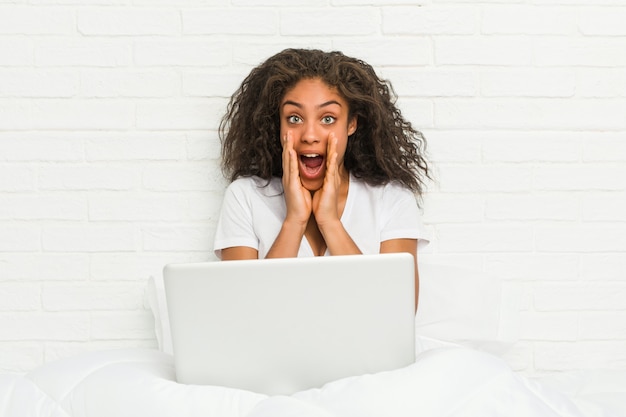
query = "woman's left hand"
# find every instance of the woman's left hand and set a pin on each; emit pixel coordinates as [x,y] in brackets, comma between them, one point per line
[325,200]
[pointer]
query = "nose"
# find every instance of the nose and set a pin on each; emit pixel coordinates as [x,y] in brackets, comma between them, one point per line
[310,134]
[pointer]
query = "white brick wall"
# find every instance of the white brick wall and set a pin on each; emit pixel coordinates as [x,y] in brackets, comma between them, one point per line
[109,154]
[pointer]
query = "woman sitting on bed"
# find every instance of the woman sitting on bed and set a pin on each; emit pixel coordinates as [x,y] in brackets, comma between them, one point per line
[321,162]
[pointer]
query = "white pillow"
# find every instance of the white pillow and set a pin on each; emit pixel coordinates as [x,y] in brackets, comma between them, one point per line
[456,305]
[155,297]
[466,307]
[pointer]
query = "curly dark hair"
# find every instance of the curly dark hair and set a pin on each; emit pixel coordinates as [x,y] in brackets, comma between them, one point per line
[385,147]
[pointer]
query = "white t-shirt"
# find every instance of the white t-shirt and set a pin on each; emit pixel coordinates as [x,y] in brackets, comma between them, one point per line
[252,215]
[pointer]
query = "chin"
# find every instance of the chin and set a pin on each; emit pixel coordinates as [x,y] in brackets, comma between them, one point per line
[312,185]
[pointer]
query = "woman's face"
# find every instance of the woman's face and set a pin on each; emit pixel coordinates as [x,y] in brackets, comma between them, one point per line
[311,111]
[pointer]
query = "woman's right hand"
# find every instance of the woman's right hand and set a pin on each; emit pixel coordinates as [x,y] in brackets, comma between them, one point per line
[297,198]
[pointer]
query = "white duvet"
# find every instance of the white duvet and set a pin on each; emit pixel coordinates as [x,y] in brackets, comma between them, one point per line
[450,381]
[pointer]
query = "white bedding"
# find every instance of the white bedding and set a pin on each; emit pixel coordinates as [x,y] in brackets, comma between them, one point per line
[465,320]
[448,381]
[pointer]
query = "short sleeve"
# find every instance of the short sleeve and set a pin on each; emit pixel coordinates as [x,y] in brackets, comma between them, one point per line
[401,217]
[235,225]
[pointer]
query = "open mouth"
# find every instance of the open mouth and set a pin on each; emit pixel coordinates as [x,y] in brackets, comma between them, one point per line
[311,165]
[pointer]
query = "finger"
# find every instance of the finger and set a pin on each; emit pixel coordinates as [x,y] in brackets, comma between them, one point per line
[331,147]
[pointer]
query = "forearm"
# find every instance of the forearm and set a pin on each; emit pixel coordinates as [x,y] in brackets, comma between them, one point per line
[287,243]
[337,239]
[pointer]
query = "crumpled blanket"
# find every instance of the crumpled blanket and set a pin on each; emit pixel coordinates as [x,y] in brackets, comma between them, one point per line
[446,382]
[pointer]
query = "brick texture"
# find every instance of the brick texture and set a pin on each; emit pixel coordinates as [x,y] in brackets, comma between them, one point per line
[109,156]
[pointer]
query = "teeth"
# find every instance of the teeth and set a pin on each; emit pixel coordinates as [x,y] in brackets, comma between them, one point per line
[310,155]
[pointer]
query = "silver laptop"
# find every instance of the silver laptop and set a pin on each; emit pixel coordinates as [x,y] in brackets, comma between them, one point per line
[277,326]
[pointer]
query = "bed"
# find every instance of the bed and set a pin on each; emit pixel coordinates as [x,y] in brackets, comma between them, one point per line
[467,322]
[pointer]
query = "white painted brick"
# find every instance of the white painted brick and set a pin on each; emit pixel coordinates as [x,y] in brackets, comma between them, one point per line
[582,177]
[239,21]
[602,82]
[177,3]
[122,325]
[15,114]
[81,2]
[328,22]
[575,296]
[202,146]
[563,356]
[81,114]
[172,52]
[19,357]
[603,325]
[199,114]
[379,52]
[17,178]
[39,147]
[89,177]
[577,51]
[92,296]
[37,83]
[137,266]
[128,21]
[205,206]
[135,146]
[484,238]
[452,146]
[469,50]
[177,238]
[411,82]
[24,326]
[125,83]
[83,52]
[16,51]
[118,107]
[43,267]
[549,326]
[468,178]
[130,206]
[483,1]
[89,238]
[530,113]
[604,146]
[528,83]
[603,21]
[272,3]
[588,237]
[252,52]
[417,111]
[458,260]
[533,267]
[580,2]
[18,297]
[535,146]
[189,177]
[435,20]
[42,207]
[36,20]
[212,83]
[551,206]
[604,206]
[530,20]
[55,351]
[603,267]
[25,238]
[453,208]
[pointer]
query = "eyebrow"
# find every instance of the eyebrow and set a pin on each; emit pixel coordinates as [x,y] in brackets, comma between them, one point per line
[298,105]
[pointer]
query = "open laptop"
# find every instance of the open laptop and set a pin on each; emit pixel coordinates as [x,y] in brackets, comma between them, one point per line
[277,326]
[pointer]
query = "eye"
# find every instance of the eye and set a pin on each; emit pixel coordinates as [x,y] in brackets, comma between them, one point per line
[293,119]
[327,120]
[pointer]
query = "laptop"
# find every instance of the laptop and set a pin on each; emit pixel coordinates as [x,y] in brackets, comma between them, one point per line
[278,326]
